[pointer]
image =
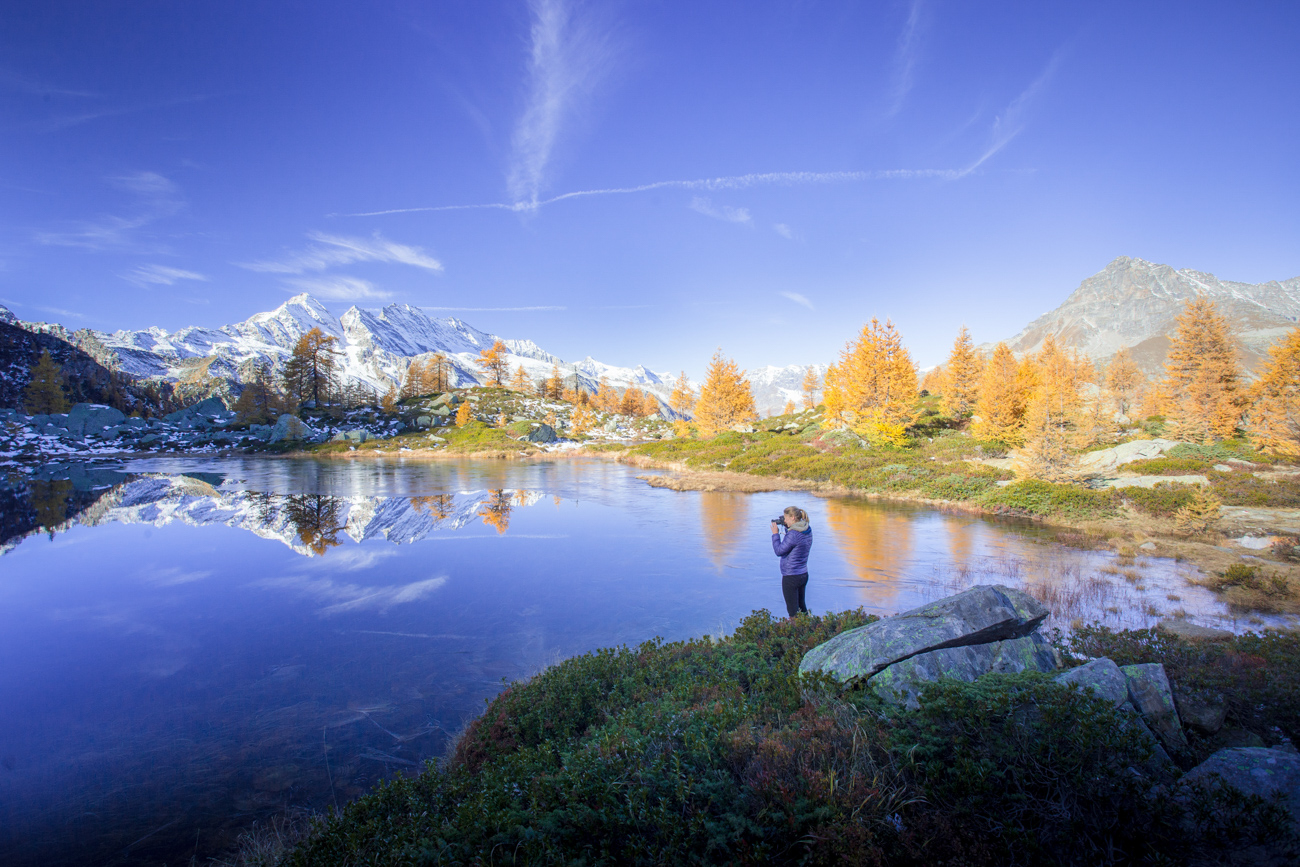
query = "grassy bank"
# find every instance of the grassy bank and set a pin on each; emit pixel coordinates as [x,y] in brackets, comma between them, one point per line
[712,751]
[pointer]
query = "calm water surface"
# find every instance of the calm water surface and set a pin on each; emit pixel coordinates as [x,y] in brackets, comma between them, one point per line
[197,644]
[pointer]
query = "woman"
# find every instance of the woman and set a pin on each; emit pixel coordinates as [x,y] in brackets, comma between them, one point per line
[793,551]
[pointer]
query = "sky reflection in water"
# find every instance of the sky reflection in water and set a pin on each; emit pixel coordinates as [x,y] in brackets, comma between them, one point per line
[194,651]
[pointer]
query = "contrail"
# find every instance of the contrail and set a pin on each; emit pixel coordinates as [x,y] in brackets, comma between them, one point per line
[732,182]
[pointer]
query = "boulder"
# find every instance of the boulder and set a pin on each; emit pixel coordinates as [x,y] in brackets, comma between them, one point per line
[903,681]
[290,427]
[980,615]
[1268,773]
[422,422]
[1099,462]
[1189,631]
[1202,711]
[1148,690]
[1102,676]
[543,433]
[359,435]
[92,418]
[611,426]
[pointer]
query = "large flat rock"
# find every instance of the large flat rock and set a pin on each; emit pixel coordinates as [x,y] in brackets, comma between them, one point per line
[1102,676]
[1148,690]
[981,615]
[903,681]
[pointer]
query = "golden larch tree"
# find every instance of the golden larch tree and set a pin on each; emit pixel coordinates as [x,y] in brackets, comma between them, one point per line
[1000,409]
[933,382]
[873,390]
[961,377]
[464,414]
[44,392]
[413,381]
[1124,380]
[632,402]
[389,401]
[495,362]
[725,398]
[649,405]
[811,383]
[789,408]
[519,380]
[580,420]
[439,373]
[1274,419]
[607,398]
[682,399]
[1052,417]
[311,373]
[260,402]
[1203,398]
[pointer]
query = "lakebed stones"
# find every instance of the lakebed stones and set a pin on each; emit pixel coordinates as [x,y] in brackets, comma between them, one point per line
[981,615]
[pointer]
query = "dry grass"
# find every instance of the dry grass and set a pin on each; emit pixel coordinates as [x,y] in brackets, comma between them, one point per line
[266,843]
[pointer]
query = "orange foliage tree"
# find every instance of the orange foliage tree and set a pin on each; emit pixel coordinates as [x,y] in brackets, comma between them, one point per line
[725,398]
[873,388]
[1000,409]
[961,376]
[495,362]
[1275,416]
[1202,396]
[811,382]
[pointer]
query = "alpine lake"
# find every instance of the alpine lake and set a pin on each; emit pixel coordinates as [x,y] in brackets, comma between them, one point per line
[189,646]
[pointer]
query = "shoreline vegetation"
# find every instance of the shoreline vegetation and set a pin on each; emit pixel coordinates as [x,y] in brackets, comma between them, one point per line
[715,750]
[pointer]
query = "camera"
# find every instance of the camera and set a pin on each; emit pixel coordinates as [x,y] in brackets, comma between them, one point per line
[779,519]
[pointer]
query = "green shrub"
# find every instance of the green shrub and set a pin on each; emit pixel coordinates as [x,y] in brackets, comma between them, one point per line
[1163,501]
[714,751]
[1168,466]
[1247,489]
[1035,497]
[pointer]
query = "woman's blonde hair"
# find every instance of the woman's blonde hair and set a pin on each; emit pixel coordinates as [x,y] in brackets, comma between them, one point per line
[796,513]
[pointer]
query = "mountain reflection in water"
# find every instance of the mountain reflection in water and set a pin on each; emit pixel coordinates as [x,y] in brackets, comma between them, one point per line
[189,645]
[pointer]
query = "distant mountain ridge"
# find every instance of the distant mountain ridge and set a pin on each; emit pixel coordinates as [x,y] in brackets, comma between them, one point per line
[1134,303]
[377,348]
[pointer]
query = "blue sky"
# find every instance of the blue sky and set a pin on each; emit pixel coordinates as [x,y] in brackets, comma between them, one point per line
[645,181]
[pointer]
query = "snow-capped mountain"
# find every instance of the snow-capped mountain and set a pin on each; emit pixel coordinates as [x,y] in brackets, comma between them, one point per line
[774,386]
[377,347]
[1134,303]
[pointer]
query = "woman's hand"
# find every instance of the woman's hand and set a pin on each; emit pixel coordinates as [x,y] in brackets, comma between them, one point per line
[774,526]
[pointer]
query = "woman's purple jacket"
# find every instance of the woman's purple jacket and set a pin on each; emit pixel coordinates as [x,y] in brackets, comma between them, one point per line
[793,550]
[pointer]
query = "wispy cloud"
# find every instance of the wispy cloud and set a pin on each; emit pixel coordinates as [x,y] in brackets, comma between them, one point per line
[729,182]
[568,54]
[1011,122]
[16,81]
[160,275]
[704,206]
[337,287]
[156,197]
[64,121]
[495,309]
[798,299]
[331,250]
[905,56]
[783,230]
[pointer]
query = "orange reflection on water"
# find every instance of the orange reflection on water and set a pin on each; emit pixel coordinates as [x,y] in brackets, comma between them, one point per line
[723,517]
[877,544]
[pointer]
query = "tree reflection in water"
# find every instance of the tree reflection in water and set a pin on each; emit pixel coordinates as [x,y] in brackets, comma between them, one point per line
[437,505]
[316,518]
[877,544]
[722,521]
[51,503]
[496,511]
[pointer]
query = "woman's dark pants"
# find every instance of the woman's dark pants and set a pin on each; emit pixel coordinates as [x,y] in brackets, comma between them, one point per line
[792,587]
